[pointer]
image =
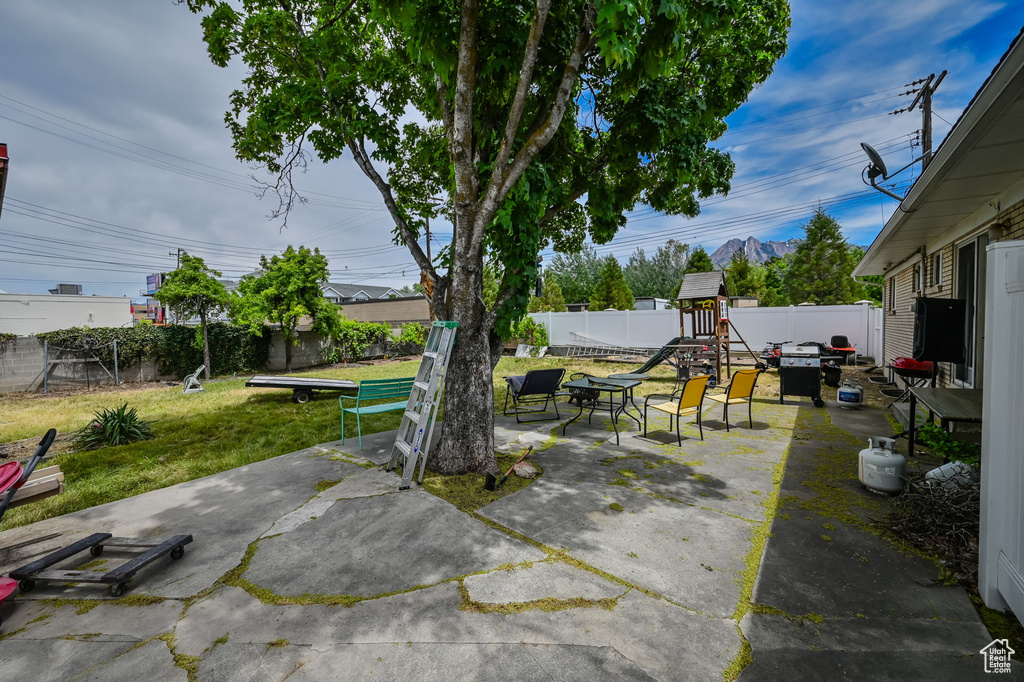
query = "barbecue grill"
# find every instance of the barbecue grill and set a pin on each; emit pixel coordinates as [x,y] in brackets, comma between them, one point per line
[800,372]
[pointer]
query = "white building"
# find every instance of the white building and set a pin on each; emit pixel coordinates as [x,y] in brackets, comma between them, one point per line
[26,314]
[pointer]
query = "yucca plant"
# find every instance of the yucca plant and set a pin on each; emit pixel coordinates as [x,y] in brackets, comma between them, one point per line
[113,427]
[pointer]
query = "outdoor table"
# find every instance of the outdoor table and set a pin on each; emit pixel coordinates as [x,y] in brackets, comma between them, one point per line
[631,376]
[622,387]
[949,404]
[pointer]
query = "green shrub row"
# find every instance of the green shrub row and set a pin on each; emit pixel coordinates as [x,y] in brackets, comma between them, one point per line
[176,349]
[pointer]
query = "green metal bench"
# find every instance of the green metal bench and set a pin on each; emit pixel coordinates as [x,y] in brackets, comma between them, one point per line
[375,389]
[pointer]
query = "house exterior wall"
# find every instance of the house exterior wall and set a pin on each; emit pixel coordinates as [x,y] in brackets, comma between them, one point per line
[390,310]
[25,314]
[899,322]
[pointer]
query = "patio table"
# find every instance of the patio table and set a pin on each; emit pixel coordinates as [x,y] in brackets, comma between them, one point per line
[948,404]
[613,387]
[637,376]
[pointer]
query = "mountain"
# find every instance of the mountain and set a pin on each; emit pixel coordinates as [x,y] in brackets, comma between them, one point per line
[756,250]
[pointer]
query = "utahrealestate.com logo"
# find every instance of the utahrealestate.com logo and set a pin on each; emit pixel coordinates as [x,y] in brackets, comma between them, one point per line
[997,656]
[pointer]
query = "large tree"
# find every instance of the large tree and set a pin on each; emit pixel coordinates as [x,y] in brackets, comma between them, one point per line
[743,278]
[193,291]
[543,123]
[285,291]
[821,269]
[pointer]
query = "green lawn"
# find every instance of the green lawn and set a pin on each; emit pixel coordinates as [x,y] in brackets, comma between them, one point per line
[224,427]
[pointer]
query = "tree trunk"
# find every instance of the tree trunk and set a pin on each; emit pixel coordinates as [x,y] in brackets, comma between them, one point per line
[467,436]
[206,345]
[288,341]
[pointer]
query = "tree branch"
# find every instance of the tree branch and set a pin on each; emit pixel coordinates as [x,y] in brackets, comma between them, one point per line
[582,44]
[462,119]
[523,88]
[366,165]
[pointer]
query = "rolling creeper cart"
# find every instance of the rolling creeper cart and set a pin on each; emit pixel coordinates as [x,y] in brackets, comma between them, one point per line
[14,477]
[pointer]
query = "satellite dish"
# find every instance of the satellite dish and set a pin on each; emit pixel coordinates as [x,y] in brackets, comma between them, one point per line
[877,166]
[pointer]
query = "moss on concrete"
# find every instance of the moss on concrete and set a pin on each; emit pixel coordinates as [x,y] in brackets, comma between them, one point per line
[742,660]
[278,643]
[544,604]
[83,606]
[615,506]
[466,491]
[325,484]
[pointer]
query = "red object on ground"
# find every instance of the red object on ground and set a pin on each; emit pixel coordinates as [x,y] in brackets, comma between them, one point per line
[7,587]
[10,472]
[914,365]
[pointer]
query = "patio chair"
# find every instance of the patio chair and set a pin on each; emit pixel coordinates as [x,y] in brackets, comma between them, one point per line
[685,401]
[740,390]
[193,384]
[535,387]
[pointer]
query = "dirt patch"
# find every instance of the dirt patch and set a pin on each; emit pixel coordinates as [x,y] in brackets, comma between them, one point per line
[67,392]
[22,449]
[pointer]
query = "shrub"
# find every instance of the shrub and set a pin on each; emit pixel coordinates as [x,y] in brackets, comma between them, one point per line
[412,332]
[353,338]
[119,426]
[945,445]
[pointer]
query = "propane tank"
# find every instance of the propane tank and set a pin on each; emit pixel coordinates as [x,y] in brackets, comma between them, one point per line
[850,394]
[881,469]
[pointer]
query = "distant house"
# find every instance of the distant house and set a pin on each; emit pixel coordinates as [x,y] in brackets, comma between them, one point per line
[342,293]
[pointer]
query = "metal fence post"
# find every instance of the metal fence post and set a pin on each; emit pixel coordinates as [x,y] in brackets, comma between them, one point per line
[117,374]
[46,366]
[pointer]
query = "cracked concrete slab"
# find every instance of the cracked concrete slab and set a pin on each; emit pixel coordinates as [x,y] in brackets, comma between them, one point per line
[223,512]
[43,620]
[55,660]
[375,545]
[366,483]
[154,658]
[556,580]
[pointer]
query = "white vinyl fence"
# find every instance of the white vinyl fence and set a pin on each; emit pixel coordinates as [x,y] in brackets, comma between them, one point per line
[862,324]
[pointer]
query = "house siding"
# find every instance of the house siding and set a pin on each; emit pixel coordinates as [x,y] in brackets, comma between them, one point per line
[899,323]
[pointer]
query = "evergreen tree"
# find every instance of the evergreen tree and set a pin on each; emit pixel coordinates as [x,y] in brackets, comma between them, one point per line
[193,291]
[821,267]
[699,261]
[576,273]
[657,277]
[743,278]
[612,291]
[774,273]
[866,291]
[550,298]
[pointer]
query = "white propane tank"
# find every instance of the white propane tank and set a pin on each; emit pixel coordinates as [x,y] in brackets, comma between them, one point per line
[850,395]
[881,469]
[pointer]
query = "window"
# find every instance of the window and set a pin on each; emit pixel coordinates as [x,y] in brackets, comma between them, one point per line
[892,293]
[918,278]
[936,269]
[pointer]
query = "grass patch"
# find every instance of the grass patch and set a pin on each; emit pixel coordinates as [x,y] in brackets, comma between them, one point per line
[222,428]
[326,484]
[466,491]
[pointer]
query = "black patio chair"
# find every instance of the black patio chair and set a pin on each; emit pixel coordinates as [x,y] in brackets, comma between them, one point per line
[535,387]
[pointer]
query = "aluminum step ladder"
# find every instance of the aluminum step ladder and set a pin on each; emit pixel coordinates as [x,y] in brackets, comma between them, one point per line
[412,444]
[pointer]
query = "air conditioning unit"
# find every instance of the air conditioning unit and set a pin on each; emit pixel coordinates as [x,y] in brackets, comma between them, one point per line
[68,290]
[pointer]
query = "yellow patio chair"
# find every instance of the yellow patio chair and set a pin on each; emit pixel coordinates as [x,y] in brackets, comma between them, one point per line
[739,391]
[684,401]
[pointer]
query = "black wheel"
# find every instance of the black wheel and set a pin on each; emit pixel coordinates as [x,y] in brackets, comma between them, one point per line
[26,585]
[177,553]
[302,397]
[818,402]
[96,550]
[117,590]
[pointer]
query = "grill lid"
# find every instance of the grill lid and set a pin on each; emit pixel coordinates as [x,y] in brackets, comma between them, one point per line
[795,351]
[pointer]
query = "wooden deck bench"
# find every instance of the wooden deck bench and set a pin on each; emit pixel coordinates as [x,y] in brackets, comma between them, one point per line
[375,389]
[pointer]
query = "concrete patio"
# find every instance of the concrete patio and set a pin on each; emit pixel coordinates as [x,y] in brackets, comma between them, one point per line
[749,553]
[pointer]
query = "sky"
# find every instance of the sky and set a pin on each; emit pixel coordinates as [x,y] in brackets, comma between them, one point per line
[114,120]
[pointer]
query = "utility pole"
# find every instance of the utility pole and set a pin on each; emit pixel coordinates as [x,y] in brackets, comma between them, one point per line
[178,255]
[923,98]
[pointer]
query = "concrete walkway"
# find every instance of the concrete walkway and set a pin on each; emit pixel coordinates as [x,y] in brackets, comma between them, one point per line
[638,561]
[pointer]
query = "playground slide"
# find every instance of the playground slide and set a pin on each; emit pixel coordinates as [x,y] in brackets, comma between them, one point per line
[661,356]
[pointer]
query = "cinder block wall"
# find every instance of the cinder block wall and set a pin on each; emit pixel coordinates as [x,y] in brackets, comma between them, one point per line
[21,364]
